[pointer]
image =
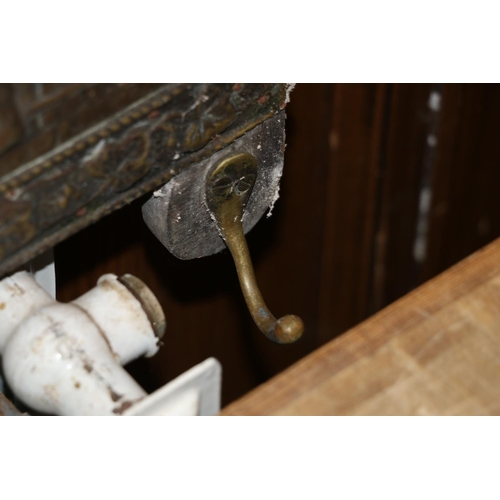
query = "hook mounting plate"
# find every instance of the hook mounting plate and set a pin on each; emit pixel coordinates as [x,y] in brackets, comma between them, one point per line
[177,213]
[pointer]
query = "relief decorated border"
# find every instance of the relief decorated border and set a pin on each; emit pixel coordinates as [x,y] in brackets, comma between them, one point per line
[110,165]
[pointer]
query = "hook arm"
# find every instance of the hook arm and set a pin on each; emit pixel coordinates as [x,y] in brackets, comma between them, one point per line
[228,189]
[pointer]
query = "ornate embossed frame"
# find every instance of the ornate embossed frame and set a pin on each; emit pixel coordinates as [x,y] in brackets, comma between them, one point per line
[137,150]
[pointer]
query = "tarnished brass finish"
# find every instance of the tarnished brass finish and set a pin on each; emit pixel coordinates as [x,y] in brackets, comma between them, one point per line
[228,188]
[148,301]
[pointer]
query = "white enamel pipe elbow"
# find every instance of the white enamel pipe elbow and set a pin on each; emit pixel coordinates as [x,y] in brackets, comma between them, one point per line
[66,358]
[58,362]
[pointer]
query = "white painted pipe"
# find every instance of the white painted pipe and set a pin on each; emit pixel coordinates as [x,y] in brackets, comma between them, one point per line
[66,359]
[121,318]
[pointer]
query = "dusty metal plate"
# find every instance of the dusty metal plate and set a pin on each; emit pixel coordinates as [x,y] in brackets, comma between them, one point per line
[177,213]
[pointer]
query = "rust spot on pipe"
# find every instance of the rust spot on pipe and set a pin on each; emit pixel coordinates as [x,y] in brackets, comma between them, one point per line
[124,406]
[114,395]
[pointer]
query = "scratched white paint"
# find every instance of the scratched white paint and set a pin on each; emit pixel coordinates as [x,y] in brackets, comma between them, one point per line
[121,318]
[65,359]
[58,362]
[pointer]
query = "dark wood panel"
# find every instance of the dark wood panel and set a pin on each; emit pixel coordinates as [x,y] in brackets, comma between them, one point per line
[354,138]
[465,212]
[403,166]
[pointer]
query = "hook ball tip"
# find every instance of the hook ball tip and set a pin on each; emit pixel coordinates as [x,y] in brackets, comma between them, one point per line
[288,329]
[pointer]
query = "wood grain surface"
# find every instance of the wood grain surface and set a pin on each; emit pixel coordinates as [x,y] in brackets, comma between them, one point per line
[436,351]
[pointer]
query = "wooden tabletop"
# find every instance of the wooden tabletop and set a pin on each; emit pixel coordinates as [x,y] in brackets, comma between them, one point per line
[436,351]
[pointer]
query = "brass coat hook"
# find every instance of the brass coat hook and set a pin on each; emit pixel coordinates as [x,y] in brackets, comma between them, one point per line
[227,191]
